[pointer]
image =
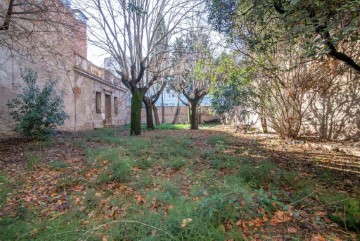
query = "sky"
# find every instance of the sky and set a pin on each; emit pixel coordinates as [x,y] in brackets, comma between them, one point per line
[96,55]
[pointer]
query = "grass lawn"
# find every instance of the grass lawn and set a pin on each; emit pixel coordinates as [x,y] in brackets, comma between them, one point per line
[172,184]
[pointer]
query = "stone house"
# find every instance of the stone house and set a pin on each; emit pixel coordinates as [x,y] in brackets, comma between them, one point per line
[94,97]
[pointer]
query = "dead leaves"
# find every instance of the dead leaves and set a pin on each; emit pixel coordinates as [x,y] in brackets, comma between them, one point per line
[279,217]
[140,200]
[252,225]
[292,230]
[261,223]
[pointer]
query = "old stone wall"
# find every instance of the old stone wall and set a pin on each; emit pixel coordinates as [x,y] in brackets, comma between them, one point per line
[56,49]
[169,113]
[87,117]
[12,84]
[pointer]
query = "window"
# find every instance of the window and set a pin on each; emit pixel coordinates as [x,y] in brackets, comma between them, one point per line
[116,105]
[98,102]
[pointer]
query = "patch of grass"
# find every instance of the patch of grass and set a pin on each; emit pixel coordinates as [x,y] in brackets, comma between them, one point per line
[143,164]
[143,181]
[14,228]
[264,174]
[176,163]
[326,175]
[79,143]
[175,147]
[179,224]
[173,141]
[171,189]
[32,161]
[3,179]
[59,164]
[137,146]
[346,210]
[220,161]
[96,155]
[168,126]
[4,189]
[213,140]
[118,171]
[105,135]
[61,227]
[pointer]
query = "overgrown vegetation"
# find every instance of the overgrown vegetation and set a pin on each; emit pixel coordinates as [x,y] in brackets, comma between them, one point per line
[36,110]
[296,58]
[205,186]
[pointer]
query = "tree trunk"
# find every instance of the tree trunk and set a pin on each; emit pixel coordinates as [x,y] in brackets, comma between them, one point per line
[189,112]
[194,122]
[264,124]
[156,115]
[136,104]
[149,116]
[200,117]
[176,112]
[162,109]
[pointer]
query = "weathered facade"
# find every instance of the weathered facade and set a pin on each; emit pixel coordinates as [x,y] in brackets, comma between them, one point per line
[93,98]
[99,97]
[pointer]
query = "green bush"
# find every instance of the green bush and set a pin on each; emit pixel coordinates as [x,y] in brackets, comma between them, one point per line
[37,111]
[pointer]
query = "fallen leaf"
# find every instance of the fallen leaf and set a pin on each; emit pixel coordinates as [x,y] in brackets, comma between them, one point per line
[292,230]
[140,200]
[279,217]
[317,237]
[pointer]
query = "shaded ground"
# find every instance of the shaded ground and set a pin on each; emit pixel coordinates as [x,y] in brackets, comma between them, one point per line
[211,184]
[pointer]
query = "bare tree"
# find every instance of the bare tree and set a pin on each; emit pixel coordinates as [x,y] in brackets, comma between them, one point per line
[37,29]
[131,32]
[195,70]
[284,94]
[149,102]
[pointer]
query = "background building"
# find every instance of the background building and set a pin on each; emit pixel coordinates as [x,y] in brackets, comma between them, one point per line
[93,97]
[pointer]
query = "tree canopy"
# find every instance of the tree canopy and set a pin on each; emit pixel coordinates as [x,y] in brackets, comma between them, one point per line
[329,27]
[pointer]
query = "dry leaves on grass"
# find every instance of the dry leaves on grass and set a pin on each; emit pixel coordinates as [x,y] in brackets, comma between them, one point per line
[280,217]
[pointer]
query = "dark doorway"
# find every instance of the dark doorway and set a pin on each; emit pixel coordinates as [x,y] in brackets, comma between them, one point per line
[107,109]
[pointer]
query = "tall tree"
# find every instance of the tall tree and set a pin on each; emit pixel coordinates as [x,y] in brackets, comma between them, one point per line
[233,92]
[196,69]
[131,32]
[160,58]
